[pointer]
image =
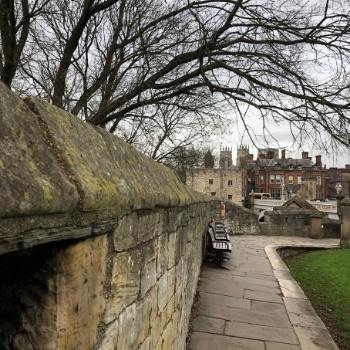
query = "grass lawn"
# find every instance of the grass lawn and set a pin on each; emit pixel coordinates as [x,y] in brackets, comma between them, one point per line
[324,276]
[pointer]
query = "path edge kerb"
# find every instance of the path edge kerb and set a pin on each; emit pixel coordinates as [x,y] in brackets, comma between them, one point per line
[291,290]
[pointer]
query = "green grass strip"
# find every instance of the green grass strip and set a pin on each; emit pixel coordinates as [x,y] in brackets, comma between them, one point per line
[324,276]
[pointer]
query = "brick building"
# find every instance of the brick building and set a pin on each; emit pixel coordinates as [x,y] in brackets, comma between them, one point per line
[271,172]
[335,176]
[224,181]
[279,176]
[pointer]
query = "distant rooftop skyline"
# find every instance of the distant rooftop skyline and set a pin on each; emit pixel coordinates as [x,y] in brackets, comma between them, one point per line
[335,160]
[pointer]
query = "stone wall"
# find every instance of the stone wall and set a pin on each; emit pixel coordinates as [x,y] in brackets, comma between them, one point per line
[101,246]
[225,183]
[238,220]
[109,291]
[287,223]
[299,222]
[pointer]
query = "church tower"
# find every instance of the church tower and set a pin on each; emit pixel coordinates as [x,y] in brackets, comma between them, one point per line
[209,160]
[242,153]
[225,158]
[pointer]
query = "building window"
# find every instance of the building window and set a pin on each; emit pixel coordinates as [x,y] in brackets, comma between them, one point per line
[299,180]
[275,179]
[229,182]
[229,196]
[213,193]
[257,180]
[276,193]
[318,194]
[290,179]
[319,180]
[211,181]
[261,179]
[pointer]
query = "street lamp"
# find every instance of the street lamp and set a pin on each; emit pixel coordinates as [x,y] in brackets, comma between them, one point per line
[339,188]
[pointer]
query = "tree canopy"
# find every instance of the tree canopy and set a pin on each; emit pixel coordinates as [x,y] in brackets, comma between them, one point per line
[131,66]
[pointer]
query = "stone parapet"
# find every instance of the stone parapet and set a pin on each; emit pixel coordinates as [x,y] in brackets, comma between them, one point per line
[62,178]
[100,246]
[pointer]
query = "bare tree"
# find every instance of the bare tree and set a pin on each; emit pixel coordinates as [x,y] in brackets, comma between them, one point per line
[185,158]
[15,21]
[111,62]
[174,125]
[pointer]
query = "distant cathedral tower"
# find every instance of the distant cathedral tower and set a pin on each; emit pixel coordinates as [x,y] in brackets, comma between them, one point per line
[242,153]
[225,158]
[209,160]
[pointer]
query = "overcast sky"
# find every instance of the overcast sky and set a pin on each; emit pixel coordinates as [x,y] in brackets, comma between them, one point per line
[234,135]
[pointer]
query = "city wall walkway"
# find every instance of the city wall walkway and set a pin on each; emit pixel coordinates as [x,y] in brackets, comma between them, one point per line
[251,302]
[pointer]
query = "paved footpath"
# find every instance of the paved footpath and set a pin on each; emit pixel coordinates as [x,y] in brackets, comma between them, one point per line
[251,302]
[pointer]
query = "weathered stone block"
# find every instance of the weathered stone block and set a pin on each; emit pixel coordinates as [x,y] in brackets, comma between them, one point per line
[149,251]
[162,292]
[148,276]
[110,337]
[162,254]
[123,236]
[170,309]
[32,179]
[149,225]
[184,217]
[156,332]
[125,283]
[154,304]
[127,332]
[172,220]
[179,280]
[169,336]
[136,228]
[171,283]
[142,321]
[181,239]
[145,345]
[171,249]
[80,293]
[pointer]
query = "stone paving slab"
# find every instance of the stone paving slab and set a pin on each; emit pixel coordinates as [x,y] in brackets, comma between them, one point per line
[244,282]
[208,299]
[270,277]
[280,346]
[271,283]
[206,341]
[247,316]
[268,308]
[291,288]
[259,332]
[300,306]
[315,339]
[252,302]
[262,296]
[209,325]
[221,287]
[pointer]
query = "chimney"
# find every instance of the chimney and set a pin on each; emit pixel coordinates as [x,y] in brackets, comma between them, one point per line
[347,166]
[305,155]
[270,154]
[283,154]
[318,161]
